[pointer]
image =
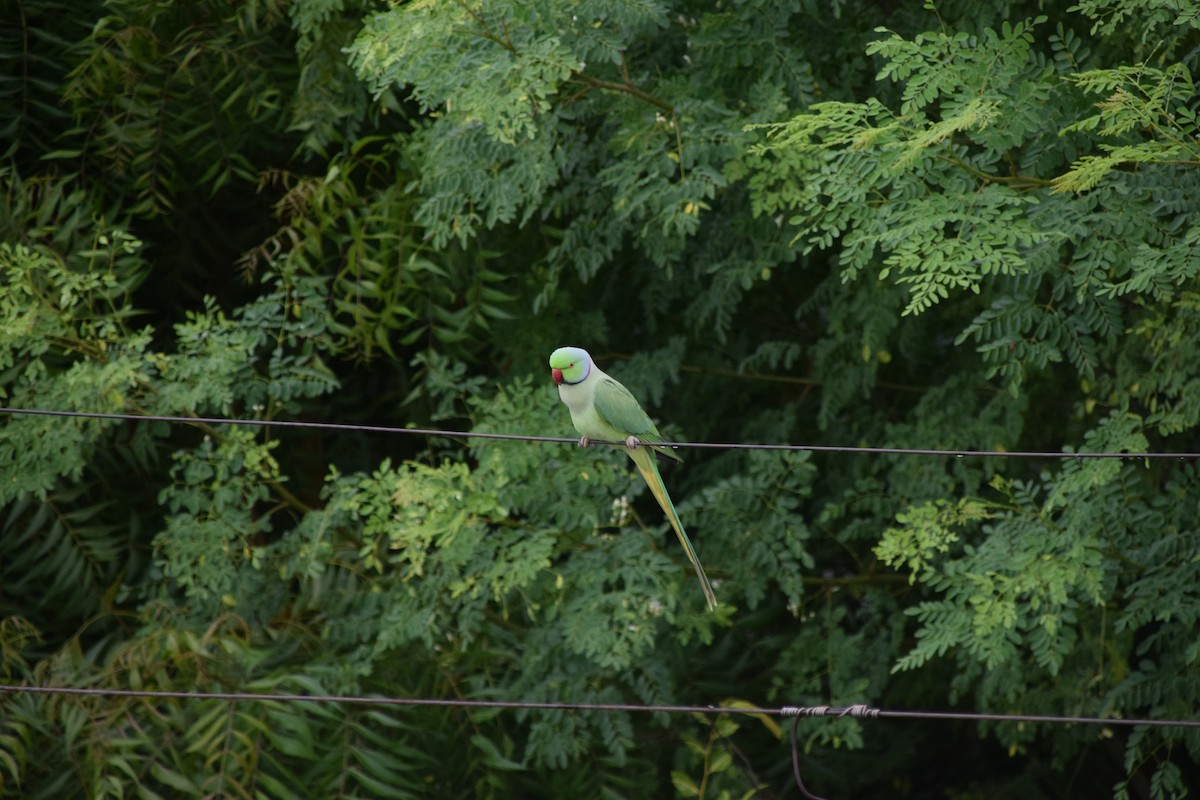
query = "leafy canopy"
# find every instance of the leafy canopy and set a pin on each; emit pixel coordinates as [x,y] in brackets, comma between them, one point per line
[966,226]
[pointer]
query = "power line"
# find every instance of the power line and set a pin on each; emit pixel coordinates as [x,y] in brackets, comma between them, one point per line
[866,712]
[279,423]
[811,448]
[796,712]
[857,711]
[382,701]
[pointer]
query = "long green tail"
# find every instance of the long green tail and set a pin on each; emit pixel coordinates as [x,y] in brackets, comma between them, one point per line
[644,458]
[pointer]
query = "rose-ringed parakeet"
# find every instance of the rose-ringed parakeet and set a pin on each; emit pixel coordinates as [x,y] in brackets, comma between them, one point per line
[601,408]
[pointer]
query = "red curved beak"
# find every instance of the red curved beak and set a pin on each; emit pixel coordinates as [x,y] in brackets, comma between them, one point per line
[557,374]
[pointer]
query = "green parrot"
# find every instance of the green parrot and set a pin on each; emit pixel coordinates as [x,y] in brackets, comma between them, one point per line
[601,408]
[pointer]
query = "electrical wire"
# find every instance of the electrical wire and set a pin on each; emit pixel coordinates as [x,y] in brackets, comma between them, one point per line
[378,701]
[797,712]
[796,762]
[811,448]
[859,711]
[866,712]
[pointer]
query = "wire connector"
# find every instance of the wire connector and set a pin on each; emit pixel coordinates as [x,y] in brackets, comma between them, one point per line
[859,710]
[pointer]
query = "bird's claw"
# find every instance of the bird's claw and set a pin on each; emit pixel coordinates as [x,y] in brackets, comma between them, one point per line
[632,442]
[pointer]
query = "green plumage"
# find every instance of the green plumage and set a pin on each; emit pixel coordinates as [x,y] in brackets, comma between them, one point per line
[601,408]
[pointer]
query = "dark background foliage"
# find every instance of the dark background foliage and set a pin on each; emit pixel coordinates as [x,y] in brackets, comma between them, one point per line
[963,225]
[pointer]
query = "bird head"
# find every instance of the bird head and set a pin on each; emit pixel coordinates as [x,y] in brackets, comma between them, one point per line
[570,365]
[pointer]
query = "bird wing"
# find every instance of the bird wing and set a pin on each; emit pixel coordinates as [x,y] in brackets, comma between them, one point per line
[617,406]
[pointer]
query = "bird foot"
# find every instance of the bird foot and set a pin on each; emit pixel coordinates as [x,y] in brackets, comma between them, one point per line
[585,441]
[632,442]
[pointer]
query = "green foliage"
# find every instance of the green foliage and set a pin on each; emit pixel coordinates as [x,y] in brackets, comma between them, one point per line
[510,81]
[32,46]
[1139,98]
[914,187]
[713,755]
[974,229]
[163,105]
[927,531]
[980,121]
[524,114]
[763,533]
[1152,18]
[329,105]
[389,292]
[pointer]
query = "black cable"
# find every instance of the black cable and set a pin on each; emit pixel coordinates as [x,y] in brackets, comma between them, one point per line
[796,712]
[796,764]
[812,448]
[858,711]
